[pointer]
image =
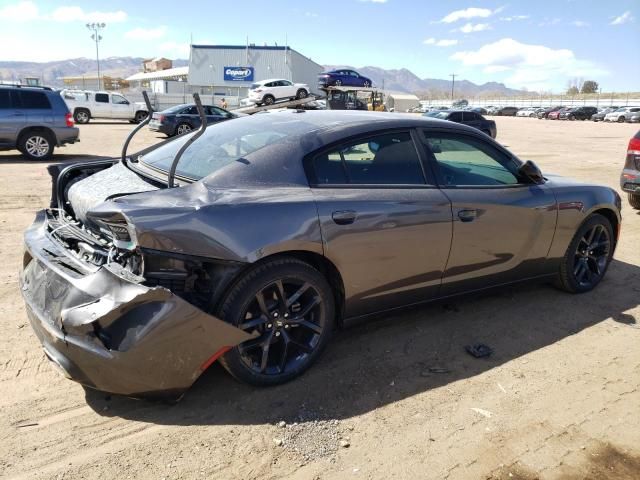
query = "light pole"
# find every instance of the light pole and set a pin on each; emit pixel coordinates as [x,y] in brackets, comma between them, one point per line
[95,28]
[453,82]
[213,82]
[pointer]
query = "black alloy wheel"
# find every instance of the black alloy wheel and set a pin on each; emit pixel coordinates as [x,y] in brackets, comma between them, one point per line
[288,306]
[588,256]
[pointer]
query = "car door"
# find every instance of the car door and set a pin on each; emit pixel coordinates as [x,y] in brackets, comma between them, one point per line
[472,119]
[189,115]
[385,225]
[503,225]
[455,117]
[12,118]
[102,106]
[215,114]
[37,107]
[288,89]
[120,107]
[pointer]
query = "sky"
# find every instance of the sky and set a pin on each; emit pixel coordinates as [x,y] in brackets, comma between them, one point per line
[540,45]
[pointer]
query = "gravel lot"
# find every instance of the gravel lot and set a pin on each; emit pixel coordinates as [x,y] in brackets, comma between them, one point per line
[395,398]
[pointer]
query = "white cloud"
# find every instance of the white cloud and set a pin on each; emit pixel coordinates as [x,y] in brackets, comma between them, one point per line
[146,33]
[311,14]
[373,1]
[77,14]
[626,17]
[534,66]
[546,22]
[514,17]
[440,43]
[478,27]
[176,49]
[19,12]
[580,23]
[467,13]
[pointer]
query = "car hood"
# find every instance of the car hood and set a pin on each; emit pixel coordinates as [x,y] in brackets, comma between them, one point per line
[140,106]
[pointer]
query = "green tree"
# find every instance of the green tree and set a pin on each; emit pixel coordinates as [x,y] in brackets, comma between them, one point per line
[590,86]
[573,90]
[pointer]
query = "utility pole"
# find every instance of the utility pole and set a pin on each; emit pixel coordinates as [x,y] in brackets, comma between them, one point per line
[453,82]
[95,28]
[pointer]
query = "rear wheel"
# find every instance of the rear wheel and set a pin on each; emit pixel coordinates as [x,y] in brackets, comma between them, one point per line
[588,256]
[289,307]
[140,116]
[621,119]
[36,145]
[634,200]
[183,128]
[81,116]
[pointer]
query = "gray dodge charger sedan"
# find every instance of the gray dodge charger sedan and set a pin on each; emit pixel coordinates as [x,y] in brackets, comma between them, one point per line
[281,228]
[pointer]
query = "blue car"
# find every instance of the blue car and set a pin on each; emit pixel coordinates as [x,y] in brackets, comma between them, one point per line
[343,77]
[183,119]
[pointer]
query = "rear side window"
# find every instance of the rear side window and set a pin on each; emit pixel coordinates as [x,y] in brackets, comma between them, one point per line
[455,117]
[386,159]
[34,100]
[102,97]
[5,99]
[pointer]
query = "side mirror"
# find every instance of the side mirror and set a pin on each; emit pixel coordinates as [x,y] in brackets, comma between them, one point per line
[531,171]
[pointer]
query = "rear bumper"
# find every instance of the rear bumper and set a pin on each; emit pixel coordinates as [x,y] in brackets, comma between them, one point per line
[168,130]
[67,135]
[106,330]
[630,181]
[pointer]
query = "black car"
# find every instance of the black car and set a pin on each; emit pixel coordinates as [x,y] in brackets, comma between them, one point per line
[467,117]
[184,118]
[254,241]
[578,113]
[599,117]
[343,77]
[507,111]
[34,120]
[480,110]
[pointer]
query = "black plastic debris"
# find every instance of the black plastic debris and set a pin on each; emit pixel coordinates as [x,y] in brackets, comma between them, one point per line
[479,350]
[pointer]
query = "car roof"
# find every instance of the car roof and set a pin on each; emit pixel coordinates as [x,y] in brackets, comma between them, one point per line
[271,80]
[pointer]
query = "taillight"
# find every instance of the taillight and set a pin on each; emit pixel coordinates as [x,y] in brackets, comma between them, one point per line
[161,118]
[634,146]
[258,91]
[69,119]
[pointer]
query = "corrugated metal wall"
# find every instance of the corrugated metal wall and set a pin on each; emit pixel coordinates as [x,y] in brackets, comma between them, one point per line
[206,66]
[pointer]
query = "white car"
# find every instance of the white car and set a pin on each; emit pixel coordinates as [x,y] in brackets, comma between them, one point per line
[621,114]
[270,91]
[526,112]
[85,105]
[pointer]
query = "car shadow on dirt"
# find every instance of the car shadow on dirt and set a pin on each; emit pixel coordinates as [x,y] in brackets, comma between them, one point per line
[386,360]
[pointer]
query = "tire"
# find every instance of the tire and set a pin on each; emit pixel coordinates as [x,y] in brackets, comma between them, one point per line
[621,119]
[36,145]
[302,93]
[269,100]
[634,200]
[183,128]
[81,116]
[140,116]
[587,257]
[305,341]
[572,118]
[337,83]
[367,84]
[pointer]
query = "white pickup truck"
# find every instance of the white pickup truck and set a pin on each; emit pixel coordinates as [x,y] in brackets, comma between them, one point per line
[86,105]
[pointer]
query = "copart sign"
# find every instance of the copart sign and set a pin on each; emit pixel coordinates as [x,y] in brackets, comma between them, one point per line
[238,74]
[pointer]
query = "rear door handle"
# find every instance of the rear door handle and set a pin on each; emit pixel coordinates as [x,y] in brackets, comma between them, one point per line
[467,215]
[344,217]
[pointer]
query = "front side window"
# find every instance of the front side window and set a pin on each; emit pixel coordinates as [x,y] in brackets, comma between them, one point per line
[467,161]
[385,159]
[5,99]
[119,100]
[102,97]
[455,117]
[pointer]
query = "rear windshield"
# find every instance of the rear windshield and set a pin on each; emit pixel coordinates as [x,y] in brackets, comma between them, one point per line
[254,86]
[227,142]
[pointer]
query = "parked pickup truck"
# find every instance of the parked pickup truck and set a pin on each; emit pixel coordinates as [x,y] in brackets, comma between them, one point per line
[86,105]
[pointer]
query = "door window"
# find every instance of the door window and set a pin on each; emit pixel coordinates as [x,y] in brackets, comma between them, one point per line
[5,99]
[119,100]
[34,100]
[455,117]
[190,111]
[102,97]
[385,159]
[467,161]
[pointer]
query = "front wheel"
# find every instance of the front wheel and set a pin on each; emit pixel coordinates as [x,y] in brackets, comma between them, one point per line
[588,256]
[621,119]
[289,307]
[367,84]
[302,93]
[634,201]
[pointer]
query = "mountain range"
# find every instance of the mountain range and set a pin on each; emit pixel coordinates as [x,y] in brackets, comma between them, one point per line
[401,80]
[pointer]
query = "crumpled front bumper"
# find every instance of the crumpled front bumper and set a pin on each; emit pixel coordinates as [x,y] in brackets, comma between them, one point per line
[106,330]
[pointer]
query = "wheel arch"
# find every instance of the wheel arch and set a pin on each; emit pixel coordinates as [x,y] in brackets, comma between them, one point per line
[610,215]
[37,128]
[321,263]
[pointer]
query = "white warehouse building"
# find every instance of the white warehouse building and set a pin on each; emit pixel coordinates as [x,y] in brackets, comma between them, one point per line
[229,70]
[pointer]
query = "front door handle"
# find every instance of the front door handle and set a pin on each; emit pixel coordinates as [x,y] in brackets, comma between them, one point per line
[344,217]
[468,215]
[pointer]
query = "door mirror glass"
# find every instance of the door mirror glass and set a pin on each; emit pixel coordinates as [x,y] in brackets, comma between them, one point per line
[531,171]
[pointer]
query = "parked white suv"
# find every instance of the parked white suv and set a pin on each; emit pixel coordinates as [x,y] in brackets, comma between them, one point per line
[621,114]
[85,105]
[270,91]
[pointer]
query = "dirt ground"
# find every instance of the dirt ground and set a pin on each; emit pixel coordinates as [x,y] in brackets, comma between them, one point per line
[396,398]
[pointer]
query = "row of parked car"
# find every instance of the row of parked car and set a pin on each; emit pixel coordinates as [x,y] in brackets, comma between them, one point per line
[602,114]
